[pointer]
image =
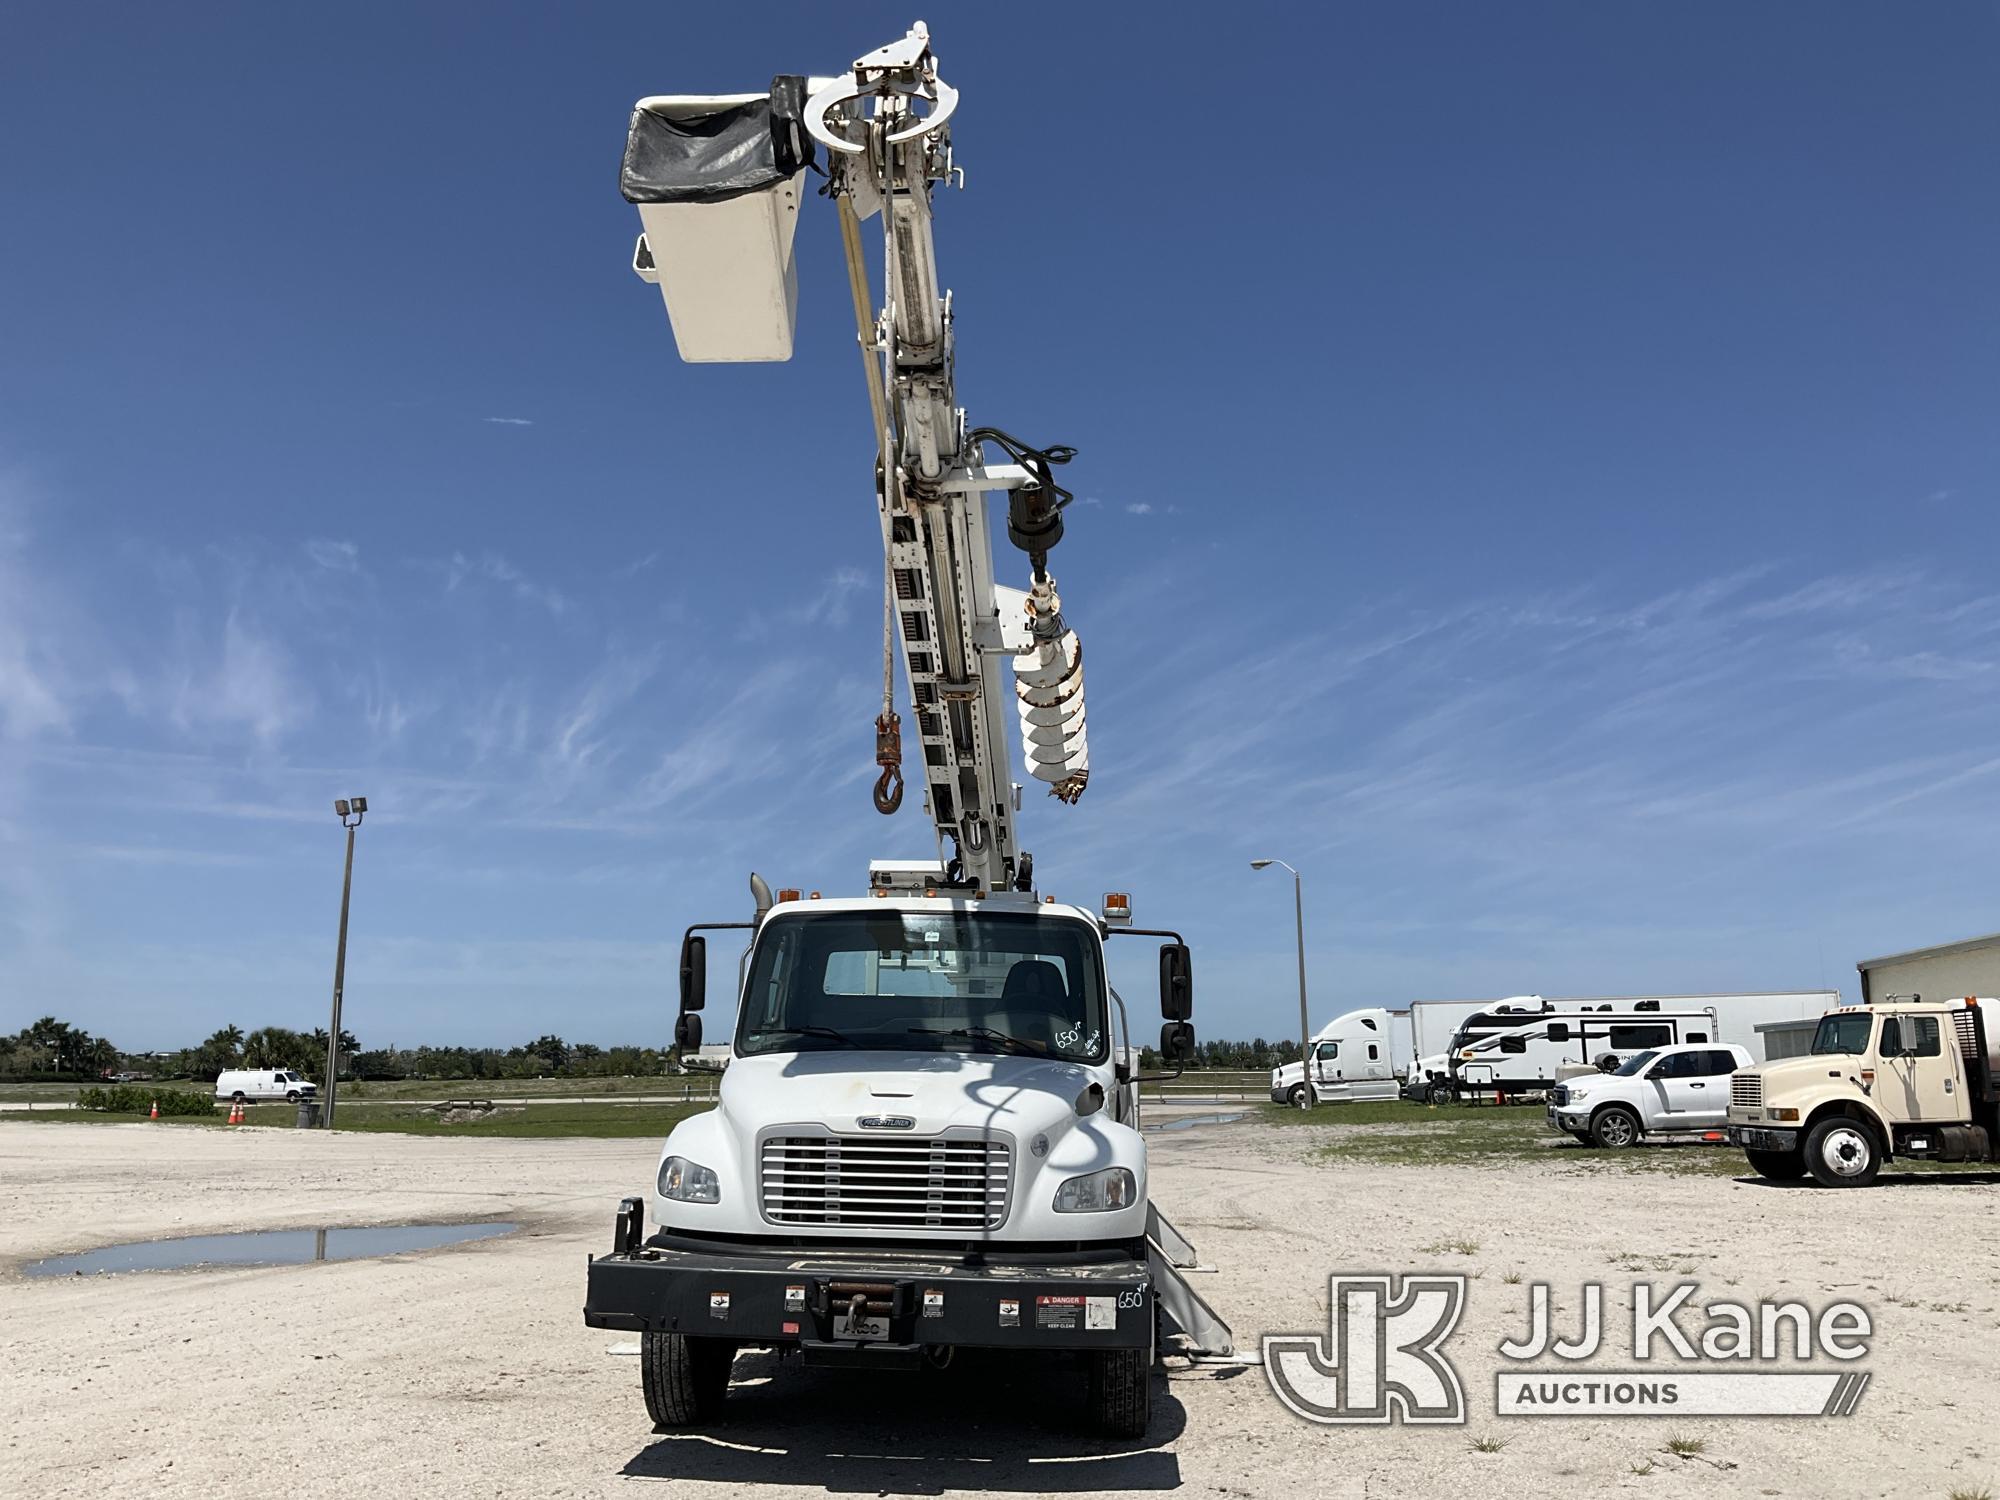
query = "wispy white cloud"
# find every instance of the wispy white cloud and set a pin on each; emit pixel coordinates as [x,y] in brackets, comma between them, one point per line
[510,421]
[1139,508]
[637,566]
[836,595]
[491,567]
[335,557]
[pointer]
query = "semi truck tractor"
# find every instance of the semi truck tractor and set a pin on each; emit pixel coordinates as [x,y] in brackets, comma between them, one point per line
[1901,1078]
[927,1138]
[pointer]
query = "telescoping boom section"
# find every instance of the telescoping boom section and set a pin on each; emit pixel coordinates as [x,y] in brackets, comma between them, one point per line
[720,181]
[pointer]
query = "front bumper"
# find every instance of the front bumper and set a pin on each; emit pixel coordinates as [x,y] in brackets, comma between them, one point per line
[790,1294]
[1761,1138]
[1570,1117]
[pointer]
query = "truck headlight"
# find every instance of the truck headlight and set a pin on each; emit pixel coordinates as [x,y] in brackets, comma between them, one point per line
[1784,1114]
[685,1181]
[1097,1193]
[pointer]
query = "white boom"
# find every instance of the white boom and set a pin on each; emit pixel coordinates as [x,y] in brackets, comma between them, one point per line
[722,254]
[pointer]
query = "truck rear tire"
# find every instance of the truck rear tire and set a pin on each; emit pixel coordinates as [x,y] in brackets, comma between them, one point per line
[1615,1127]
[1121,1391]
[685,1379]
[1843,1153]
[1439,1093]
[1779,1166]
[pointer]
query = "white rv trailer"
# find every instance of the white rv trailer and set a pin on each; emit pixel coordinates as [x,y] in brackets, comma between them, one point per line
[1575,1036]
[1440,1027]
[1738,1016]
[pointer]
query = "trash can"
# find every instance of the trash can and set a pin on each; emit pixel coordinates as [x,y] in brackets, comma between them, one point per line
[308,1114]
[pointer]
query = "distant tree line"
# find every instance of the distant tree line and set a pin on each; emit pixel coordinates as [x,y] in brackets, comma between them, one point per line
[1255,1055]
[55,1050]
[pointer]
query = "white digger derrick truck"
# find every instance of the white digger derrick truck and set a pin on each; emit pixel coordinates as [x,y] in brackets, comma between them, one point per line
[927,1138]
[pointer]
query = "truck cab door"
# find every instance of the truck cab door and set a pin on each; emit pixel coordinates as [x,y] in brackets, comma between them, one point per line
[1377,1079]
[1916,1077]
[1328,1076]
[1677,1090]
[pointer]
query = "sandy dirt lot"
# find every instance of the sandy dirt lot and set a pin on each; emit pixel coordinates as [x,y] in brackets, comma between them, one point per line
[469,1372]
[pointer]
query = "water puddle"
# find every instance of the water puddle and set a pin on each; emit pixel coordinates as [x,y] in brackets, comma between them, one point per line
[270,1247]
[1188,1122]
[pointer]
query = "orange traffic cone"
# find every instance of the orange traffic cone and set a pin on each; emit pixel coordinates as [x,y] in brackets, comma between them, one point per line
[156,1110]
[236,1114]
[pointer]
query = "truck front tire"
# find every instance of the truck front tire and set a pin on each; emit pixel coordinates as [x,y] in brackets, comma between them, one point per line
[1615,1127]
[1439,1093]
[1121,1391]
[1843,1153]
[685,1379]
[1779,1166]
[1297,1097]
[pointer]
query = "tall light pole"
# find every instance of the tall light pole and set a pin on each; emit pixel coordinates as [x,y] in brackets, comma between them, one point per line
[350,811]
[1305,1024]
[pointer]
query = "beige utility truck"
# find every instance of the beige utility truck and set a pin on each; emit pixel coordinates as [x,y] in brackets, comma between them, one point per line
[1900,1078]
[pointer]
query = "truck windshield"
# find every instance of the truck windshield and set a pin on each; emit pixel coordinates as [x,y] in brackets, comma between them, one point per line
[1847,1034]
[1634,1065]
[902,981]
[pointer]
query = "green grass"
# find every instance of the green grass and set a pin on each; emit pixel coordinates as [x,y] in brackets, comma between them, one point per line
[1488,1444]
[1397,1133]
[676,1085]
[602,1121]
[1686,1447]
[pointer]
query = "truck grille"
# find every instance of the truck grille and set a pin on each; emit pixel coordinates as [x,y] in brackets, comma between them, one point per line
[941,1182]
[1559,1095]
[1746,1091]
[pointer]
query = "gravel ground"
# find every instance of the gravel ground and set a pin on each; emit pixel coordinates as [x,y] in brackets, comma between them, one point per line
[469,1372]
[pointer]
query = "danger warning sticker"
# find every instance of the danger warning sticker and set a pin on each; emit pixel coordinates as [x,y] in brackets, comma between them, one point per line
[718,1304]
[1059,1312]
[933,1303]
[795,1298]
[1010,1313]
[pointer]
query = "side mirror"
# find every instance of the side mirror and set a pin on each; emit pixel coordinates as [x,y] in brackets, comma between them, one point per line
[694,972]
[1176,982]
[1177,1041]
[687,1033]
[1558,1031]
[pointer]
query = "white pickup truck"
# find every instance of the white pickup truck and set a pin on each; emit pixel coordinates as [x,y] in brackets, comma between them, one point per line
[1664,1091]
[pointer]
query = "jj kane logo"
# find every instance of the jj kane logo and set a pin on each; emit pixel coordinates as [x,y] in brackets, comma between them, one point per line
[1382,1359]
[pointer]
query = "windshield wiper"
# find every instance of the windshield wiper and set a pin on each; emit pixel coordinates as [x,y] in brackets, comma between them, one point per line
[987,1034]
[826,1031]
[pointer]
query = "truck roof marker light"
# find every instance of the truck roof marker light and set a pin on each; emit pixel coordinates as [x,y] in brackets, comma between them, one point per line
[813,897]
[1048,901]
[788,894]
[930,893]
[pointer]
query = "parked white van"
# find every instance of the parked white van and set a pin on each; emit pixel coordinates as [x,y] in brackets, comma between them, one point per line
[247,1085]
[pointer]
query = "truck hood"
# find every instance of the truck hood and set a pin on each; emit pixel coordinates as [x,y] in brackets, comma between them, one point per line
[1017,1096]
[1796,1072]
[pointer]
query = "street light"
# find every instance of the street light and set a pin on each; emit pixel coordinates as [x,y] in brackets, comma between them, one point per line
[1305,1025]
[349,810]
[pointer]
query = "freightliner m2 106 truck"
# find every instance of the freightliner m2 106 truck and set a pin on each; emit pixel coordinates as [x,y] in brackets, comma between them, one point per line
[927,1138]
[1900,1078]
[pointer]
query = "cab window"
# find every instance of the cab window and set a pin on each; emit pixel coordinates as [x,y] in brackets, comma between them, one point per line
[1916,1035]
[1846,1033]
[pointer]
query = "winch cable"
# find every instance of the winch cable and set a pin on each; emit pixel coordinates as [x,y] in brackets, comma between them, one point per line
[889,724]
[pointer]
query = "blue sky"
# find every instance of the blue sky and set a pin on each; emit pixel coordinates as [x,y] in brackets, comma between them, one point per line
[1539,470]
